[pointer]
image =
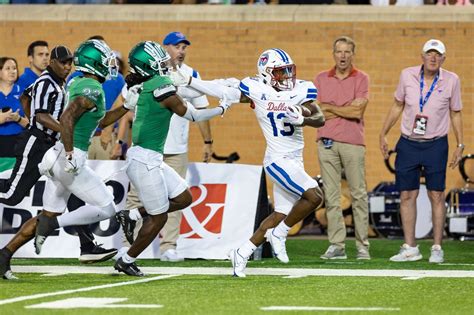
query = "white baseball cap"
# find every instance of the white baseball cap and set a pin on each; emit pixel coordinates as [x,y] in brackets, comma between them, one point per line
[434,44]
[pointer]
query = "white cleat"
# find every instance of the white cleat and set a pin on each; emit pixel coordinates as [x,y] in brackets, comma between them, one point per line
[279,247]
[239,263]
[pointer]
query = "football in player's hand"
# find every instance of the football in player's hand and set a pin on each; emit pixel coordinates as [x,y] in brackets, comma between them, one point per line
[305,111]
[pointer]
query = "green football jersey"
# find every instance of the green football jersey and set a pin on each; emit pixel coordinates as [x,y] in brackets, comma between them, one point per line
[86,124]
[152,119]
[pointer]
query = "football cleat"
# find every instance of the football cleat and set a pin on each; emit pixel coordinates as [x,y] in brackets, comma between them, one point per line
[128,269]
[239,263]
[128,225]
[5,269]
[97,254]
[44,227]
[279,247]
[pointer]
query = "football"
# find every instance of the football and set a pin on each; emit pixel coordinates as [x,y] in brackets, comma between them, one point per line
[305,112]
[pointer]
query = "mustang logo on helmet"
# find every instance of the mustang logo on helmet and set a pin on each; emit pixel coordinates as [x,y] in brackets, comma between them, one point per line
[277,69]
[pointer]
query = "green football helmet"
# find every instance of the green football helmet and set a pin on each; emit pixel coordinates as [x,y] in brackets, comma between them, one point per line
[95,57]
[149,59]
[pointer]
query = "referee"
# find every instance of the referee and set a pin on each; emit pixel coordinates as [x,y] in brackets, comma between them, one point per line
[47,104]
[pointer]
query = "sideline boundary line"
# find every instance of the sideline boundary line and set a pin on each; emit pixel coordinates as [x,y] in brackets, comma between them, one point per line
[288,272]
[86,289]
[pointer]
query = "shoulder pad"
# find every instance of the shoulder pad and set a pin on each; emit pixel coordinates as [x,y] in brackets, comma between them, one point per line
[164,90]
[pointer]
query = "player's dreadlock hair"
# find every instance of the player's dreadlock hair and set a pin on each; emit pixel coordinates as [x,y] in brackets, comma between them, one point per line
[133,79]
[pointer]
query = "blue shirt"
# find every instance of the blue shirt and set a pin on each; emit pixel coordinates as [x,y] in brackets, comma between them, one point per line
[26,79]
[11,100]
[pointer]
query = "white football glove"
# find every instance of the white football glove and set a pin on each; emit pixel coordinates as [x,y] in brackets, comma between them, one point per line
[73,163]
[293,115]
[133,94]
[225,105]
[179,77]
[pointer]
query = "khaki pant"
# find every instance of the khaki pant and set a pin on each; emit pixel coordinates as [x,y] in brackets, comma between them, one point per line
[332,161]
[170,232]
[97,152]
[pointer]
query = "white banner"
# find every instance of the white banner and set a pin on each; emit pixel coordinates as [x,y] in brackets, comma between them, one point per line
[63,243]
[221,217]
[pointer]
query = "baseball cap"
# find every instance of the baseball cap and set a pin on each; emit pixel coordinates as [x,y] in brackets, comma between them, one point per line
[434,44]
[61,53]
[174,38]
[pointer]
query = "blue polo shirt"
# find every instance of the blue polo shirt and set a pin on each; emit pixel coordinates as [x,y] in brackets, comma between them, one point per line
[11,100]
[26,79]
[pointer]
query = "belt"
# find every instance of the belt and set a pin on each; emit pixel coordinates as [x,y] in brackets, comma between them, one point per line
[421,140]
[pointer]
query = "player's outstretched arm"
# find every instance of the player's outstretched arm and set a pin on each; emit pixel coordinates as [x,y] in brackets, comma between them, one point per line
[227,89]
[176,104]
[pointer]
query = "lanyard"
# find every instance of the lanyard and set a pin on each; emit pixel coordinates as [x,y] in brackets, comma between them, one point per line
[422,85]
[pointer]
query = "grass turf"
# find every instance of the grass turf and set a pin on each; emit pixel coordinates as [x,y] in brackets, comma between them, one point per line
[203,294]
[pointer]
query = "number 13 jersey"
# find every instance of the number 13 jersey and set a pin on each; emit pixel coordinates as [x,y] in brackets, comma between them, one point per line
[269,106]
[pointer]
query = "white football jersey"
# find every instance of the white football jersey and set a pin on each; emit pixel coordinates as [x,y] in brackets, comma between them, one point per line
[270,106]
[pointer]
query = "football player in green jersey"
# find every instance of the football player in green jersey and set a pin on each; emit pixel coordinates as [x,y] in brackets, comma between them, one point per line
[64,164]
[159,187]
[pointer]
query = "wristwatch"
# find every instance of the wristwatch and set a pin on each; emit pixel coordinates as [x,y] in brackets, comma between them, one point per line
[461,145]
[208,141]
[119,141]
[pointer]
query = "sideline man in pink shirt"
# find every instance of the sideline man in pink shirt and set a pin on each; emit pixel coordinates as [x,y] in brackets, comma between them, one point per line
[427,97]
[343,96]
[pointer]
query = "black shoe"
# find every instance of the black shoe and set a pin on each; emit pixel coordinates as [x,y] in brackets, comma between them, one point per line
[97,254]
[44,227]
[128,225]
[129,269]
[5,269]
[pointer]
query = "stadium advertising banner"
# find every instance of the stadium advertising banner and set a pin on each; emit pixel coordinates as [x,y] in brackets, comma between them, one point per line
[221,216]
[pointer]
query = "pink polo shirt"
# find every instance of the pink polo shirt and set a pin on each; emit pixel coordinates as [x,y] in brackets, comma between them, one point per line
[446,96]
[338,92]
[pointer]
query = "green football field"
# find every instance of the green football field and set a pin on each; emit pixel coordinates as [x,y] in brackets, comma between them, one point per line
[306,285]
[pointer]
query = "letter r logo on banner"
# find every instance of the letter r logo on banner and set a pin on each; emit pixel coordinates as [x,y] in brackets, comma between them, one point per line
[203,219]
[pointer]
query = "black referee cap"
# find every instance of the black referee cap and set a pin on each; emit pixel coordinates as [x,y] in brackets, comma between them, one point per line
[61,53]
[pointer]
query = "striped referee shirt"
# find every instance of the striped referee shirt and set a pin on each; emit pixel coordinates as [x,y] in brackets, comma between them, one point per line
[47,96]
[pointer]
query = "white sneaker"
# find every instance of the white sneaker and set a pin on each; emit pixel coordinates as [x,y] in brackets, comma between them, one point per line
[171,255]
[407,253]
[334,252]
[363,253]
[437,254]
[278,246]
[239,263]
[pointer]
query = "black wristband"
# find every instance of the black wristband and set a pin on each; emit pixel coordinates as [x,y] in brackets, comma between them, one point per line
[19,119]
[208,141]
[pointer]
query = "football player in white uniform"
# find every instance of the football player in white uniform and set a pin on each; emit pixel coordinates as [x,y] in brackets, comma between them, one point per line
[280,102]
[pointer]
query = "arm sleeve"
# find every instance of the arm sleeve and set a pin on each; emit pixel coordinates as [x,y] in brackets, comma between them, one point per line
[456,103]
[363,88]
[400,92]
[216,90]
[310,93]
[204,114]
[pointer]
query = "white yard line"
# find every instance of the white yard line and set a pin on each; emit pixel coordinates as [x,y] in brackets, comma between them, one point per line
[288,272]
[322,308]
[86,289]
